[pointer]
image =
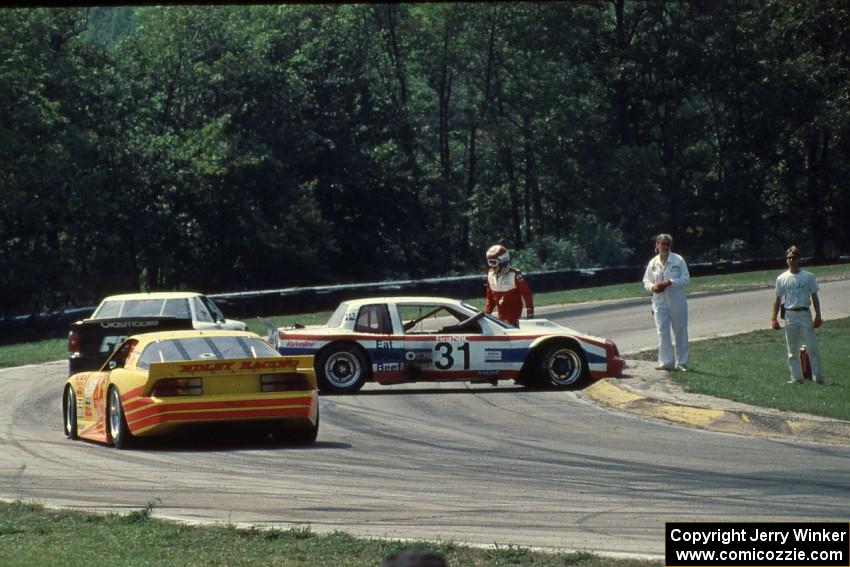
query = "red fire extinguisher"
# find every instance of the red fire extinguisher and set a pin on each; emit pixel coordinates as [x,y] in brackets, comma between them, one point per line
[805,365]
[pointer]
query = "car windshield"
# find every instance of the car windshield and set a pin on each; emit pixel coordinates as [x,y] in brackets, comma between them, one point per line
[174,307]
[142,308]
[205,348]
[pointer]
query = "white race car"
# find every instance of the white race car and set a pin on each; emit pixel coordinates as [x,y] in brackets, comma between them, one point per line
[393,340]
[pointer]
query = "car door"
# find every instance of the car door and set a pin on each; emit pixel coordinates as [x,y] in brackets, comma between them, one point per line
[438,346]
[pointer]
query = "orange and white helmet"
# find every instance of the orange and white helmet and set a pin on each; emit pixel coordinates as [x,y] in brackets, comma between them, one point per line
[498,257]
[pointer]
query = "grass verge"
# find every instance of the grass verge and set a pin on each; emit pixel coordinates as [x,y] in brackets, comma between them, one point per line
[752,368]
[32,536]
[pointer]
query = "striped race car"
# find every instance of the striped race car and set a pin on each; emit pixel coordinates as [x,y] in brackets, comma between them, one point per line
[393,340]
[155,383]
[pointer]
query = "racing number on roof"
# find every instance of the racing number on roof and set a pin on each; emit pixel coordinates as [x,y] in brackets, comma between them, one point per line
[446,360]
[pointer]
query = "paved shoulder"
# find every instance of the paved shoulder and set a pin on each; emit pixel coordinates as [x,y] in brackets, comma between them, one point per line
[652,393]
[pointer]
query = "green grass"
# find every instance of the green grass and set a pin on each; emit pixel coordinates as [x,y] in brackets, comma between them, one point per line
[32,536]
[33,353]
[752,368]
[55,349]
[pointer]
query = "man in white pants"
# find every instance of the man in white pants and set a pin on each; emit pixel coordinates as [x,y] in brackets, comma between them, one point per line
[666,277]
[798,291]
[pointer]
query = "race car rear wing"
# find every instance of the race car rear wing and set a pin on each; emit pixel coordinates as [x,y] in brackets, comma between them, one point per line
[232,366]
[91,341]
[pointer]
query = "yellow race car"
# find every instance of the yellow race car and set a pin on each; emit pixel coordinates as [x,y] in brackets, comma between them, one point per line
[154,383]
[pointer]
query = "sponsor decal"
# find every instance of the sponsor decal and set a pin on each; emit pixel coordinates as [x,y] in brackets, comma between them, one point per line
[451,338]
[90,387]
[418,356]
[108,343]
[244,365]
[301,344]
[266,364]
[492,355]
[384,345]
[126,324]
[387,367]
[205,367]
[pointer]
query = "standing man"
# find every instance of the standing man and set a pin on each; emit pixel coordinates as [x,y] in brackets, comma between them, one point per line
[797,290]
[506,289]
[666,277]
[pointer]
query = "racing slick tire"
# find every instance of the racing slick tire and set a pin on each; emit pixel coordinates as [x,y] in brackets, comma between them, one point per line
[69,413]
[117,422]
[561,365]
[342,369]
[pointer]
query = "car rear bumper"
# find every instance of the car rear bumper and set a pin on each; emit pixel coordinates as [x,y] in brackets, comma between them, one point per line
[155,416]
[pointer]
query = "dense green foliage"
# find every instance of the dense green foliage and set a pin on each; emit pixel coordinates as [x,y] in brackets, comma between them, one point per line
[245,147]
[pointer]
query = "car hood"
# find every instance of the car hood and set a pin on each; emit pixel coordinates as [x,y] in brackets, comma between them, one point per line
[547,327]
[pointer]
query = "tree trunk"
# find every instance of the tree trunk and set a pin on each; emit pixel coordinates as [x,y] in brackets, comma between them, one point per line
[506,157]
[444,95]
[533,204]
[818,151]
[483,107]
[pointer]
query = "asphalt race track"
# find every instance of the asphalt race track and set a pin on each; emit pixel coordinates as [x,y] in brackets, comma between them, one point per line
[468,463]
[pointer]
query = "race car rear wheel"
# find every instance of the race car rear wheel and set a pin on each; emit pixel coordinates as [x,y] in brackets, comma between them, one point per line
[561,365]
[69,413]
[342,369]
[118,430]
[305,435]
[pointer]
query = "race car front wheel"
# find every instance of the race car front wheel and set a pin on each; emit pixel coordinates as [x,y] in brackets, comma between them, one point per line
[118,430]
[562,365]
[342,369]
[69,413]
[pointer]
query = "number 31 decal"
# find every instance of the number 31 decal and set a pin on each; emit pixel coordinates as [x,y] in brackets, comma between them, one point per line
[446,360]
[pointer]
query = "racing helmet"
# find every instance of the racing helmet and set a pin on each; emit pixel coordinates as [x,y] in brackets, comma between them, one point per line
[498,257]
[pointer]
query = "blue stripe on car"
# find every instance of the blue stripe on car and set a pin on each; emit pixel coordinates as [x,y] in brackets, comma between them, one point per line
[519,355]
[291,351]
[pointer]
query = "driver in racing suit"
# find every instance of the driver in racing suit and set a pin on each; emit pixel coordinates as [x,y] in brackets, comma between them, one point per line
[506,288]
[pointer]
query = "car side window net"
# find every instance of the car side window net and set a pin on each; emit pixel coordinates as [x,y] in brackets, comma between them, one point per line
[426,319]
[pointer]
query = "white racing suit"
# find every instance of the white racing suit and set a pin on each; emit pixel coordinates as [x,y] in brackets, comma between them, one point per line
[670,308]
[796,292]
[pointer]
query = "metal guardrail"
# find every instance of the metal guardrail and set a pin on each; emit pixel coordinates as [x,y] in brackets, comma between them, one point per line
[296,300]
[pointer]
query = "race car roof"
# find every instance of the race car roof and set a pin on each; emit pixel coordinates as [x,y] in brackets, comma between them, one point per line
[184,334]
[153,295]
[410,299]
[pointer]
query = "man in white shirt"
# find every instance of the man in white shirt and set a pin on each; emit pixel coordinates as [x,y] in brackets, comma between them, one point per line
[797,290]
[666,277]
